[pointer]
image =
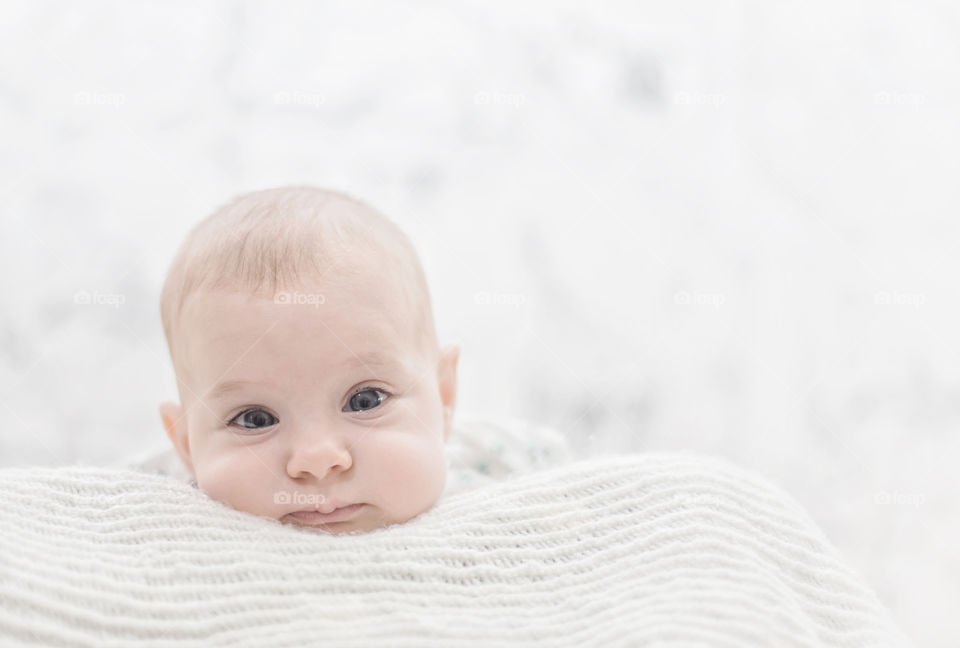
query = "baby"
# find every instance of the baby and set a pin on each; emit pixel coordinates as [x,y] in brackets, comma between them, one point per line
[312,387]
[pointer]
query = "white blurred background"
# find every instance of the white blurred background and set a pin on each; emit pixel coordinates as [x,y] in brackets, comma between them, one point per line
[725,227]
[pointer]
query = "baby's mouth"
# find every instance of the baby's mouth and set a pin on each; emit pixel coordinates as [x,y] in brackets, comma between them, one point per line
[311,517]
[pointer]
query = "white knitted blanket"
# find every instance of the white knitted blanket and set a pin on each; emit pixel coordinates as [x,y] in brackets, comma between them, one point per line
[635,550]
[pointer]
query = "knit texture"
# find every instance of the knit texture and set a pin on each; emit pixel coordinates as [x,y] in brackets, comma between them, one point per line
[633,550]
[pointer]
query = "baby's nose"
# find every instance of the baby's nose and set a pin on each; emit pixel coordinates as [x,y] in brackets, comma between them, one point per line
[318,457]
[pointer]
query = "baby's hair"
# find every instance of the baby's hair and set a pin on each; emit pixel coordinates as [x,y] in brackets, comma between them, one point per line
[269,241]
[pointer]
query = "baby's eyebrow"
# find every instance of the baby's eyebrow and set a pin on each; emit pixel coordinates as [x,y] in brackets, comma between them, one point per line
[374,359]
[225,387]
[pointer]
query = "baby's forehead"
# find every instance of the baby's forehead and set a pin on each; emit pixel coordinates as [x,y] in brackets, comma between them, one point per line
[365,310]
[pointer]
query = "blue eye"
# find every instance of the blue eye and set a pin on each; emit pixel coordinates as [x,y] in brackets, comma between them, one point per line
[366,399]
[255,419]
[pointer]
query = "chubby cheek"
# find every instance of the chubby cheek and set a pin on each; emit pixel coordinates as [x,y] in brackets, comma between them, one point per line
[407,477]
[237,477]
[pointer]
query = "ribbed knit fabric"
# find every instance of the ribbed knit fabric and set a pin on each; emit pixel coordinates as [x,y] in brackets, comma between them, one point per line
[634,550]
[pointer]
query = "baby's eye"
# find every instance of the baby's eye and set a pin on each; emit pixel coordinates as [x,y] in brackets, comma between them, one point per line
[253,419]
[366,399]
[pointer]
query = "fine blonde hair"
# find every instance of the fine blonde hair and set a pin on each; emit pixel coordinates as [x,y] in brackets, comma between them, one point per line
[268,241]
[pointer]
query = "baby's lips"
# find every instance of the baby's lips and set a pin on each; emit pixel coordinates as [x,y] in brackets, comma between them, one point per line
[325,506]
[312,516]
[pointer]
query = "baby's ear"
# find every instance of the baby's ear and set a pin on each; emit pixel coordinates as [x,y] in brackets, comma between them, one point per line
[176,425]
[447,380]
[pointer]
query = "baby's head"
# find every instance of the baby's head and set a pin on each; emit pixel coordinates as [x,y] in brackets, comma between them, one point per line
[301,332]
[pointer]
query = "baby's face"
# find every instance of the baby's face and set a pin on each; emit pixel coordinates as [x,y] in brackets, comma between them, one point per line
[308,406]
